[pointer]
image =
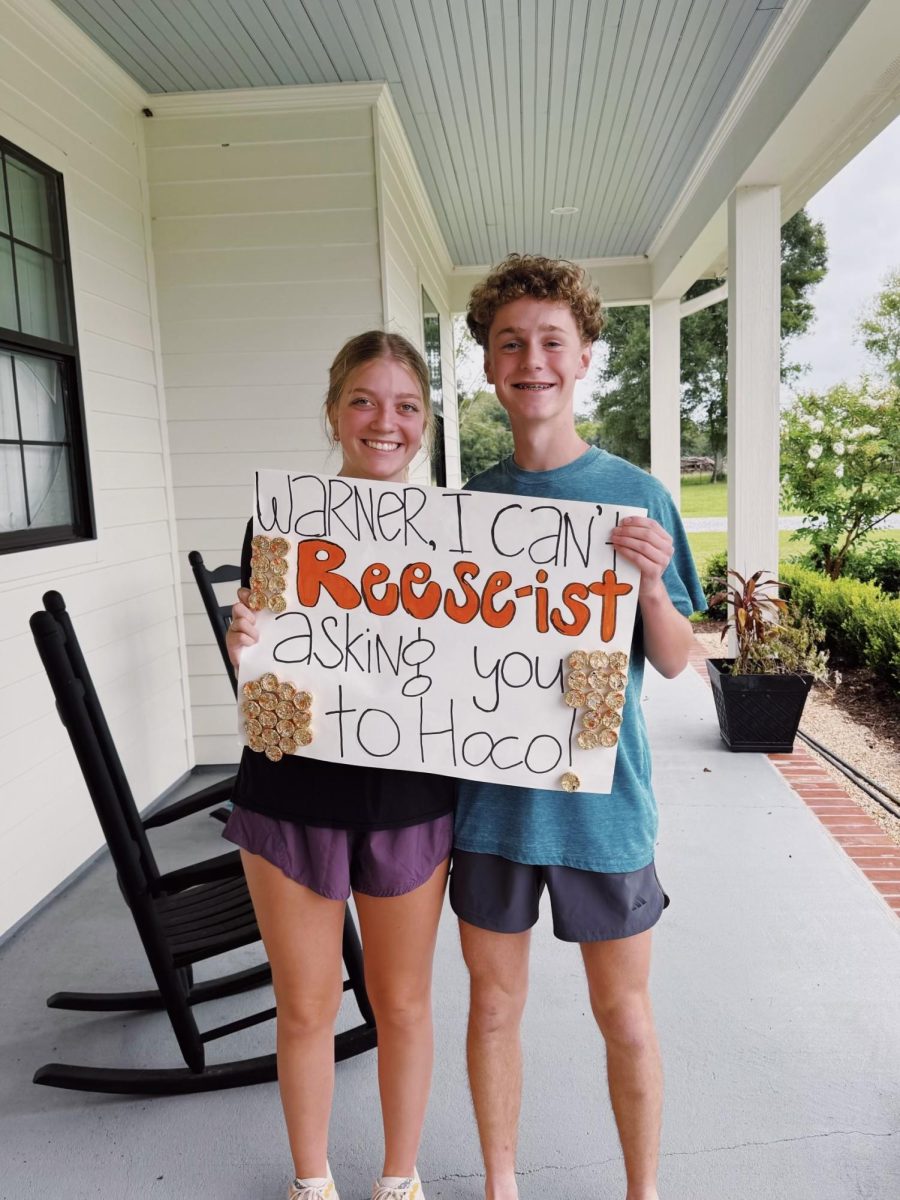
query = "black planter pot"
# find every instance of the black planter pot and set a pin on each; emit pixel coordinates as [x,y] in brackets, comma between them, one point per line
[757,712]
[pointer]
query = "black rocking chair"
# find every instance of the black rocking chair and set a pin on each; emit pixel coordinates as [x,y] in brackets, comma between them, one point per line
[219,618]
[219,614]
[214,794]
[182,917]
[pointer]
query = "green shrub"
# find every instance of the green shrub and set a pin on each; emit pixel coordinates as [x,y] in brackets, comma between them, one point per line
[877,562]
[861,623]
[712,580]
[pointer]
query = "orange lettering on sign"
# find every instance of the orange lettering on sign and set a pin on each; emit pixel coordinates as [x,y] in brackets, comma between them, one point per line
[497,618]
[373,575]
[318,563]
[467,610]
[609,591]
[428,601]
[572,597]
[315,573]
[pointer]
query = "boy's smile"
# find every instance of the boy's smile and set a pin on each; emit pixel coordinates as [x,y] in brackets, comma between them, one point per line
[533,357]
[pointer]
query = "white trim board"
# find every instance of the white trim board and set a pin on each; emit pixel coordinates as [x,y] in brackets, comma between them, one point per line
[620,281]
[53,24]
[265,99]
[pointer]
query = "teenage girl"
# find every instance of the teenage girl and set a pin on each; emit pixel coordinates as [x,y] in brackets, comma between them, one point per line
[311,831]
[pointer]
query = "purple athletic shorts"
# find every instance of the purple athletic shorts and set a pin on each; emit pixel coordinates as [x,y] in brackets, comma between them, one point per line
[377,862]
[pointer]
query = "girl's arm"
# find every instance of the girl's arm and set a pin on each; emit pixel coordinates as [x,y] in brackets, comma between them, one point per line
[242,631]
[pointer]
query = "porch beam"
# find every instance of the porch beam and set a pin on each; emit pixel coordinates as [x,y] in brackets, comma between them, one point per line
[754,282]
[665,394]
[707,300]
[619,281]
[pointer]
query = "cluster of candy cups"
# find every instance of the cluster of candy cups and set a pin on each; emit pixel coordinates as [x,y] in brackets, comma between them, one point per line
[268,573]
[277,716]
[596,684]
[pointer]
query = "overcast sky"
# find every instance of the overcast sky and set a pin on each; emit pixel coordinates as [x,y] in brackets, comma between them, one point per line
[860,209]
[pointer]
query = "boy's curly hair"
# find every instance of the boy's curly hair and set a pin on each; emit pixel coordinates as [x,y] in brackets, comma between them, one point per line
[553,279]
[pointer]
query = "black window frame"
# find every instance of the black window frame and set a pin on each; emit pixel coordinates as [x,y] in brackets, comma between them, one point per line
[82,525]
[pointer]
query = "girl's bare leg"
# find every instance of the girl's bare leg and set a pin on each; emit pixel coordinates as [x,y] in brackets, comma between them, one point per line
[398,937]
[302,934]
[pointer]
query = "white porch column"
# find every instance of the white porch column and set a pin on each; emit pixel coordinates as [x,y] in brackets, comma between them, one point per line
[665,394]
[754,308]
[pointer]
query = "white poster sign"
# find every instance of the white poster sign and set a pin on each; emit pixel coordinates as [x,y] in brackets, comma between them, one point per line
[471,634]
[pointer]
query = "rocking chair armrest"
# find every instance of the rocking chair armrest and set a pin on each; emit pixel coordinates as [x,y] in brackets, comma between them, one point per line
[215,793]
[224,866]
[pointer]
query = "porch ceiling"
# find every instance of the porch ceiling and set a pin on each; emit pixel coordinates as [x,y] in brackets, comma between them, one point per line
[512,107]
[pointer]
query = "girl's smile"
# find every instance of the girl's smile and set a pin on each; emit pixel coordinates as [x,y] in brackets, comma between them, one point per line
[380,421]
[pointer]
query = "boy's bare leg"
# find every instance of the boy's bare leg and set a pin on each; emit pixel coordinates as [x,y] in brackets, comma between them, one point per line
[498,972]
[618,975]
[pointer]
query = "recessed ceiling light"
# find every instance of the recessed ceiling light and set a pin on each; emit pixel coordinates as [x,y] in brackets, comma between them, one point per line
[564,210]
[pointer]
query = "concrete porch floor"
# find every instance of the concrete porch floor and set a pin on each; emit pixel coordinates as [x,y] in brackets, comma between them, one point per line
[776,985]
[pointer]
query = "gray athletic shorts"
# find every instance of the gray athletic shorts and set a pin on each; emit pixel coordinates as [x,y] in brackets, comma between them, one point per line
[588,906]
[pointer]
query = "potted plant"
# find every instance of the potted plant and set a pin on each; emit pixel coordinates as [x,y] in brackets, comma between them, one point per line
[760,693]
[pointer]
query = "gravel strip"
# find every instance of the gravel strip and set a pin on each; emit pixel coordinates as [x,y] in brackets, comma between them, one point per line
[870,751]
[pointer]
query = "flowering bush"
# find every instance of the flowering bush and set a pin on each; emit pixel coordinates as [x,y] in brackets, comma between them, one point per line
[840,465]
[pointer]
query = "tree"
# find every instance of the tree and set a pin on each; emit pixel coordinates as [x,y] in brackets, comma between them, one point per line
[623,406]
[469,366]
[840,463]
[484,434]
[879,328]
[589,431]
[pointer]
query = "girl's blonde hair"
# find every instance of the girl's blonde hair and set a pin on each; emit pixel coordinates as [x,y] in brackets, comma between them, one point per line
[368,347]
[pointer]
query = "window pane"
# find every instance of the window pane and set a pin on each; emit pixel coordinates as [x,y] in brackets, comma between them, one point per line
[39,381]
[12,490]
[9,427]
[40,300]
[47,479]
[29,205]
[8,318]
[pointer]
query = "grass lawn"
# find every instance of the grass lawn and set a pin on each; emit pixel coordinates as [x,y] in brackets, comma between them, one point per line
[703,545]
[700,498]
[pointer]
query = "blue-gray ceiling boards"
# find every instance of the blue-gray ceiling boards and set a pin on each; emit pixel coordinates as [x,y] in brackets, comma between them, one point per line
[512,107]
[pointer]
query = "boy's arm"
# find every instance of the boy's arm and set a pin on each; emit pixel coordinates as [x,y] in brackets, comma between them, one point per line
[668,636]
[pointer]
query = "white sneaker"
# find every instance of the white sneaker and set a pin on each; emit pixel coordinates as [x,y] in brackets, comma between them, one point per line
[313,1189]
[405,1189]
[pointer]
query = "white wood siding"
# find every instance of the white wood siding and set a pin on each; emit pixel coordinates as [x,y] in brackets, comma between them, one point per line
[61,101]
[265,239]
[414,256]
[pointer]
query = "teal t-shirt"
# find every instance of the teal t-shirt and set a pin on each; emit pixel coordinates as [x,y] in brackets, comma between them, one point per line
[614,832]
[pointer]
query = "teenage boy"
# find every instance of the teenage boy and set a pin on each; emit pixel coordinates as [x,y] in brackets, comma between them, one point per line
[536,319]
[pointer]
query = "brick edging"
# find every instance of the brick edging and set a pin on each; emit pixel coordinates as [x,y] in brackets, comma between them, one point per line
[859,836]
